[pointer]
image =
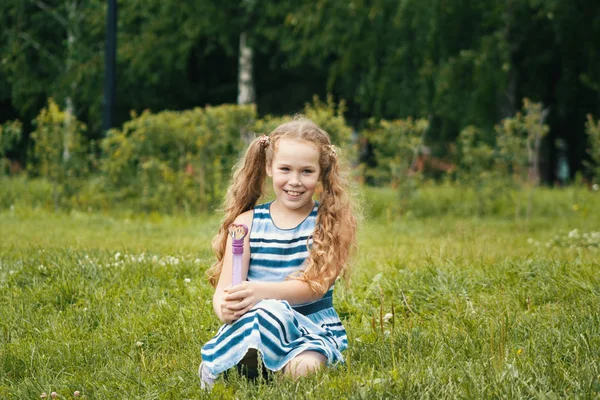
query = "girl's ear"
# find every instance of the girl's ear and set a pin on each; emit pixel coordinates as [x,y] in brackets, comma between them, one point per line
[270,170]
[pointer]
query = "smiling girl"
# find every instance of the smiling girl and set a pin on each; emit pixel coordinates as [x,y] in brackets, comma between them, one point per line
[295,250]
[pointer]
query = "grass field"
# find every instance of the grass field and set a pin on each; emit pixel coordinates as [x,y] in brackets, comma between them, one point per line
[118,307]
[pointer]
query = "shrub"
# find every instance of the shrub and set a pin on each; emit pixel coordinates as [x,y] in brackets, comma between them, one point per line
[175,160]
[59,152]
[395,145]
[328,115]
[506,167]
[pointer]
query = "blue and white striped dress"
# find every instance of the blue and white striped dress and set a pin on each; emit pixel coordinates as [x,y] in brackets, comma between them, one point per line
[276,329]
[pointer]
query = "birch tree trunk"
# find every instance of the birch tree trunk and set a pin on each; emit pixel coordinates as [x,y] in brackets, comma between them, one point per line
[245,80]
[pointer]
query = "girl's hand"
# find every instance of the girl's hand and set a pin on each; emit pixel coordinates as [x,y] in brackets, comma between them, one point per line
[227,314]
[239,299]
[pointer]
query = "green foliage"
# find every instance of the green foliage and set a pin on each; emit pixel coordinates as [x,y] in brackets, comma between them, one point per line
[396,145]
[509,165]
[59,152]
[516,139]
[476,169]
[327,114]
[175,161]
[10,134]
[592,129]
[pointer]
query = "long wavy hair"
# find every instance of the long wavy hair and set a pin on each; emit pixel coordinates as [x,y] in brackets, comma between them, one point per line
[334,236]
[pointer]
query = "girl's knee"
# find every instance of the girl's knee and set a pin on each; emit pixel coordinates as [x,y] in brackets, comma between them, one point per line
[305,363]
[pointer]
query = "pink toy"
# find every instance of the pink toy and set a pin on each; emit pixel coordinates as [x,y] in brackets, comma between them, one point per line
[238,233]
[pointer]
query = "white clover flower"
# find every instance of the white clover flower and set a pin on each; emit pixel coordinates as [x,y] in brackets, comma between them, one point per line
[595,187]
[187,280]
[197,261]
[387,317]
[139,344]
[530,241]
[117,256]
[154,259]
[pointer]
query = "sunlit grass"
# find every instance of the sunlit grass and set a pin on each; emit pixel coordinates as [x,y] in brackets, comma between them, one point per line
[117,306]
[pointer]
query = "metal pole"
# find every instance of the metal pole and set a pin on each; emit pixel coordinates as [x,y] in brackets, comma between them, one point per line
[108,100]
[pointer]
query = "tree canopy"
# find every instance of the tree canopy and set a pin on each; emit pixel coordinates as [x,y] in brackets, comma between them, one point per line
[454,62]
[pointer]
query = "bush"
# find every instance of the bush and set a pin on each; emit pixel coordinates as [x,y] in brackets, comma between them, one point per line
[175,160]
[59,152]
[328,115]
[395,144]
[506,167]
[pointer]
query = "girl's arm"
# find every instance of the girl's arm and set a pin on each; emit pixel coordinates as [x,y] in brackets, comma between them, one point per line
[245,295]
[221,305]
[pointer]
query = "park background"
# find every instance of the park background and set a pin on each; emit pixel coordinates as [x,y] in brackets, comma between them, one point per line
[472,131]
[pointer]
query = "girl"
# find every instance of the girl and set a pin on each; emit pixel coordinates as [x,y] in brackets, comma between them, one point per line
[294,251]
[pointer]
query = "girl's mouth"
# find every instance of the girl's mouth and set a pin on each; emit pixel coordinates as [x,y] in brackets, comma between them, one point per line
[293,193]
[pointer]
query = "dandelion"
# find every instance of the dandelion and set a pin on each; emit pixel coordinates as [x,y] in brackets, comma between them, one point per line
[387,317]
[573,234]
[575,207]
[519,352]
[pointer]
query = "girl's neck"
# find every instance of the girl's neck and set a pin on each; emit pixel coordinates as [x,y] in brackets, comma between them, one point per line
[284,218]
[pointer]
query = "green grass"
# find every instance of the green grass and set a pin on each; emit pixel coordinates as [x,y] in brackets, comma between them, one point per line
[117,306]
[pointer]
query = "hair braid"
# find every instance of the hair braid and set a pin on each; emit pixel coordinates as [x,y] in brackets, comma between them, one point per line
[245,189]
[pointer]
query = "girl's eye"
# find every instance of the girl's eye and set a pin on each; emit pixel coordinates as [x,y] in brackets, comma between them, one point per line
[284,168]
[307,171]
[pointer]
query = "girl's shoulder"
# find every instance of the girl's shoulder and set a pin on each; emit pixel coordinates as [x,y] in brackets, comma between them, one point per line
[245,218]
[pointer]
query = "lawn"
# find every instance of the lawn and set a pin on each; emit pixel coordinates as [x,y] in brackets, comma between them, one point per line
[117,306]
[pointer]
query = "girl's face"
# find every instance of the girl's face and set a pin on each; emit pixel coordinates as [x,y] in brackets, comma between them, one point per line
[295,171]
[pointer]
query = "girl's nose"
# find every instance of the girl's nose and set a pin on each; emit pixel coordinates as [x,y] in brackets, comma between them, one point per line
[294,180]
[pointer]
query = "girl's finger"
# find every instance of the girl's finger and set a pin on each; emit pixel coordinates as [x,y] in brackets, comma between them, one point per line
[238,306]
[236,296]
[242,312]
[236,288]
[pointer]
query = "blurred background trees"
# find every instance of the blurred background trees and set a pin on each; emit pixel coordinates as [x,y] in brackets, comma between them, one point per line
[445,65]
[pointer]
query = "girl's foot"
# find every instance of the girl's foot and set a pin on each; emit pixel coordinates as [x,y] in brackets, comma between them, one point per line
[207,380]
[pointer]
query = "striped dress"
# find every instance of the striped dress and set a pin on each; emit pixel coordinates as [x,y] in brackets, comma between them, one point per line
[278,330]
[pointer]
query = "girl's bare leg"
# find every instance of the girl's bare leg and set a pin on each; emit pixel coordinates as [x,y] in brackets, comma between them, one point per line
[304,363]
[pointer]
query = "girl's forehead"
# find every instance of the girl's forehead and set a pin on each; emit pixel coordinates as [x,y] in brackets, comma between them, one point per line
[296,148]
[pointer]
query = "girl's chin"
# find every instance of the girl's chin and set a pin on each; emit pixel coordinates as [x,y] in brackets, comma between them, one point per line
[295,202]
